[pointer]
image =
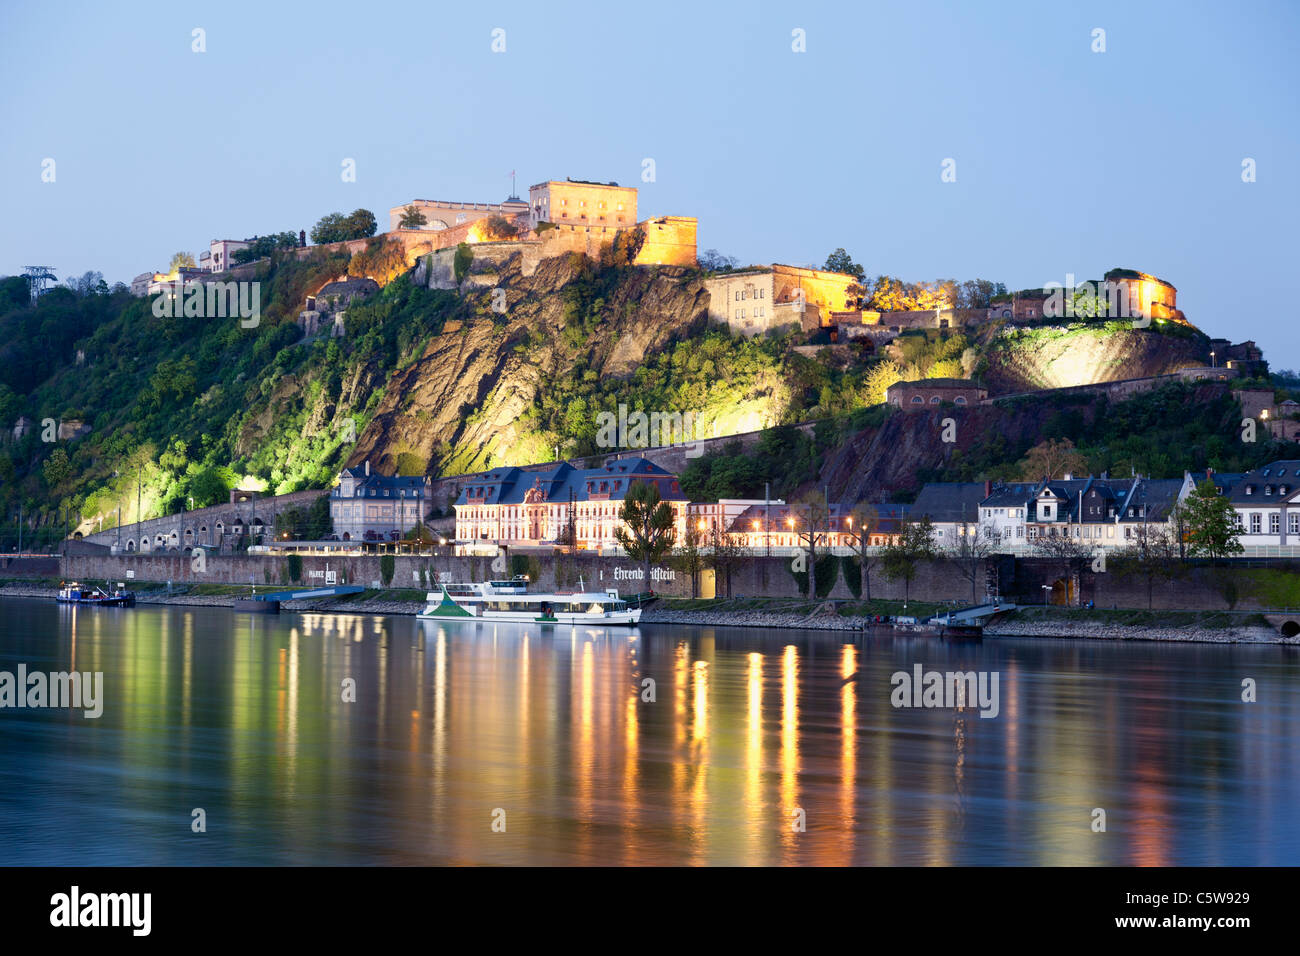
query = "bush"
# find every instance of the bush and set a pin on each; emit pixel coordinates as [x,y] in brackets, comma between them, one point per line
[828,569]
[464,259]
[525,564]
[387,564]
[852,576]
[295,568]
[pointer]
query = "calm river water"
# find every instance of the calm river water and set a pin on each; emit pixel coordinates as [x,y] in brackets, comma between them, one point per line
[509,744]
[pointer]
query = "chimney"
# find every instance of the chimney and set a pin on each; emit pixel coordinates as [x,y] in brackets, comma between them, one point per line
[367,467]
[1209,474]
[988,487]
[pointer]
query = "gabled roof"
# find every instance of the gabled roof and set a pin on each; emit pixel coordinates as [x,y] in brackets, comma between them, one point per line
[1014,495]
[555,482]
[1150,499]
[949,501]
[1266,483]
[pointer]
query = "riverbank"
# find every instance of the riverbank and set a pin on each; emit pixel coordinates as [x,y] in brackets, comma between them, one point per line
[1127,625]
[364,603]
[778,614]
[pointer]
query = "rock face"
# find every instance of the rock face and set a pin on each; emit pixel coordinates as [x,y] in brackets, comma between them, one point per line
[1024,359]
[458,406]
[876,461]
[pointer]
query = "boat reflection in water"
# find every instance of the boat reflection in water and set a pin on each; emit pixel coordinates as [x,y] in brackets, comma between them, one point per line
[364,739]
[511,600]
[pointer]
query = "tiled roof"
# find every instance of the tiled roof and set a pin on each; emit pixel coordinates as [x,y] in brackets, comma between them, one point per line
[1266,482]
[949,501]
[374,485]
[610,481]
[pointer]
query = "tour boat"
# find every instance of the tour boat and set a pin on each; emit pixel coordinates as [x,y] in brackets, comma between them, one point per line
[97,597]
[512,601]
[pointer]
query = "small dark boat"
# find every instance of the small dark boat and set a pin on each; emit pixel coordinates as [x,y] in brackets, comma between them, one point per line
[95,597]
[963,631]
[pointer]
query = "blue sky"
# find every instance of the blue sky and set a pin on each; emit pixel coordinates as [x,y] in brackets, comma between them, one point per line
[1067,161]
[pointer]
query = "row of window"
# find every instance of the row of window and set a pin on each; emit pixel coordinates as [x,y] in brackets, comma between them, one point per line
[935,400]
[742,294]
[1274,523]
[1268,489]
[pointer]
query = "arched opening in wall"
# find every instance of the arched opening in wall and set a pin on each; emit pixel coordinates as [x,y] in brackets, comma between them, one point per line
[1290,628]
[130,544]
[347,535]
[1060,592]
[221,527]
[189,536]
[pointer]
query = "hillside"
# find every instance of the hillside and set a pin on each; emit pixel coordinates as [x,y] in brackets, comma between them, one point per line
[438,381]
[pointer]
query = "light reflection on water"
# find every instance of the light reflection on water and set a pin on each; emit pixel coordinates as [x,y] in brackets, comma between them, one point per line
[757,748]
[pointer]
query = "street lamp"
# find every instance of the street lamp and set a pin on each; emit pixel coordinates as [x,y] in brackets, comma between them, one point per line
[1047,588]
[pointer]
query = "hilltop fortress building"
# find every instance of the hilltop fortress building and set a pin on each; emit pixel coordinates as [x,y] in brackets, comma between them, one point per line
[441,214]
[754,301]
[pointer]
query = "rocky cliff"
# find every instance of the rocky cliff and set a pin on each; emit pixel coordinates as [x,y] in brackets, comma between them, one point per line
[464,403]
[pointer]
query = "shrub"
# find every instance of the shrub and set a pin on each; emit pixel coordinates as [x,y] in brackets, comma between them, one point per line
[828,569]
[464,259]
[295,568]
[852,576]
[386,566]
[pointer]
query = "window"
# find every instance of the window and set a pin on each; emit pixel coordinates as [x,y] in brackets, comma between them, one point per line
[960,399]
[917,400]
[934,399]
[1292,523]
[1275,523]
[1254,523]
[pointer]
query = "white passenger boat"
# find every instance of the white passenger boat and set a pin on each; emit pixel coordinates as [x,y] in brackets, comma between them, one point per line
[512,601]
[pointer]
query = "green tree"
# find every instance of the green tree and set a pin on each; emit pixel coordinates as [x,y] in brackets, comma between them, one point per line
[412,218]
[840,261]
[180,260]
[688,557]
[862,522]
[975,542]
[464,258]
[336,227]
[808,519]
[726,554]
[646,530]
[914,544]
[210,486]
[57,468]
[1211,523]
[295,568]
[361,224]
[387,563]
[1152,555]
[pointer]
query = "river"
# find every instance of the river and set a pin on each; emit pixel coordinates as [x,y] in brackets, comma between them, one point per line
[334,739]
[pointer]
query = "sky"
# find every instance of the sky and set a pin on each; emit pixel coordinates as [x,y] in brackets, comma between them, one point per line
[1067,161]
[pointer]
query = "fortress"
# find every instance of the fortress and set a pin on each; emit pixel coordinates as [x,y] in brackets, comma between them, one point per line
[560,216]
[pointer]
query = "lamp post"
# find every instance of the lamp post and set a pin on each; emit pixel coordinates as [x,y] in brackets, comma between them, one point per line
[1047,589]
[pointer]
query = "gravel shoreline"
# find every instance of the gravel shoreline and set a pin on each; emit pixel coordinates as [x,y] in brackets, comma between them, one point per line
[822,619]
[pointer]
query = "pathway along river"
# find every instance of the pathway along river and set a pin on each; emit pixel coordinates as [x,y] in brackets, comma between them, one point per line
[474,743]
